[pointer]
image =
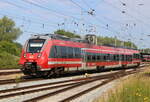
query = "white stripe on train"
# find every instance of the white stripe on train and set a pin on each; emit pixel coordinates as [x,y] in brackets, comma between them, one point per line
[64,62]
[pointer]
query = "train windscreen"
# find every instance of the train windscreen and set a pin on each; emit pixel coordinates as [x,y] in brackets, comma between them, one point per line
[35,45]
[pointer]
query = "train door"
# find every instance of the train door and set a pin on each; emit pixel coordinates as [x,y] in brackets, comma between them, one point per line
[83,56]
[119,59]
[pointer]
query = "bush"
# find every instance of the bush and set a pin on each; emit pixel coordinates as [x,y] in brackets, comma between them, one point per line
[8,61]
[134,89]
[9,54]
[10,47]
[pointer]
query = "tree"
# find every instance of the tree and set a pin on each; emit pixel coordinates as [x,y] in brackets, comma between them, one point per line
[8,31]
[115,42]
[146,50]
[67,33]
[100,40]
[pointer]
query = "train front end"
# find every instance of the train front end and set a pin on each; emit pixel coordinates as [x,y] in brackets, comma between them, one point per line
[33,57]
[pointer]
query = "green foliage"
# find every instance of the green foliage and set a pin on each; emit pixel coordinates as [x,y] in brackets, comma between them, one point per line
[9,50]
[8,31]
[8,61]
[67,33]
[114,41]
[136,89]
[9,54]
[10,47]
[146,50]
[100,40]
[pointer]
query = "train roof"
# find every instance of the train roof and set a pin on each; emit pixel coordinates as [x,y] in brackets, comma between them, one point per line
[59,37]
[65,38]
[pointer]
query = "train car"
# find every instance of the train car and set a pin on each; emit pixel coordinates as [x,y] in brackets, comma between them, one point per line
[145,57]
[52,54]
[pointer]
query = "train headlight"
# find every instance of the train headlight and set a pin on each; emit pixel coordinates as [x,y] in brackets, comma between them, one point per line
[24,55]
[39,55]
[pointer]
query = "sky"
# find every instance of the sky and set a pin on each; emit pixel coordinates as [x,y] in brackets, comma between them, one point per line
[128,20]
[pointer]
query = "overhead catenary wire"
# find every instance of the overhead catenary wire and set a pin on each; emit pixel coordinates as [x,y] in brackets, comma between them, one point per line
[42,7]
[136,11]
[50,10]
[45,8]
[99,21]
[42,24]
[27,20]
[107,28]
[127,14]
[78,5]
[103,22]
[18,6]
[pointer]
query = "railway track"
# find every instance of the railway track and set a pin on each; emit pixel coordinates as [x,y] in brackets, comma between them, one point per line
[22,79]
[6,72]
[53,88]
[108,79]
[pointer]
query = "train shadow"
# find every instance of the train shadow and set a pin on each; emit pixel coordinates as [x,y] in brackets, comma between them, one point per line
[77,73]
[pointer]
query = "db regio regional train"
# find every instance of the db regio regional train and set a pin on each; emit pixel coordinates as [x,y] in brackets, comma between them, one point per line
[52,54]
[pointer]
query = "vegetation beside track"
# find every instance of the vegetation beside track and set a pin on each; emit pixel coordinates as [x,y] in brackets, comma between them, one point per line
[101,40]
[134,89]
[9,57]
[9,49]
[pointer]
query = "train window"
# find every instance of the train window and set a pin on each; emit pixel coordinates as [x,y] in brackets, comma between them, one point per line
[52,52]
[70,52]
[63,52]
[77,52]
[125,57]
[130,57]
[122,57]
[139,56]
[88,57]
[111,57]
[117,57]
[58,52]
[136,56]
[114,57]
[35,45]
[108,57]
[104,57]
[93,57]
[98,57]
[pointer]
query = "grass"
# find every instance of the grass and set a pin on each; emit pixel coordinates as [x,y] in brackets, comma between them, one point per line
[134,89]
[18,79]
[8,60]
[9,54]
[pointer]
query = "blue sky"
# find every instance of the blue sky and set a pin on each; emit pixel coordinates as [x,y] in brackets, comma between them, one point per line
[44,16]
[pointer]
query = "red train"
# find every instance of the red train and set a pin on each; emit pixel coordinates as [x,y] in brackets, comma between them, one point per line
[145,57]
[49,54]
